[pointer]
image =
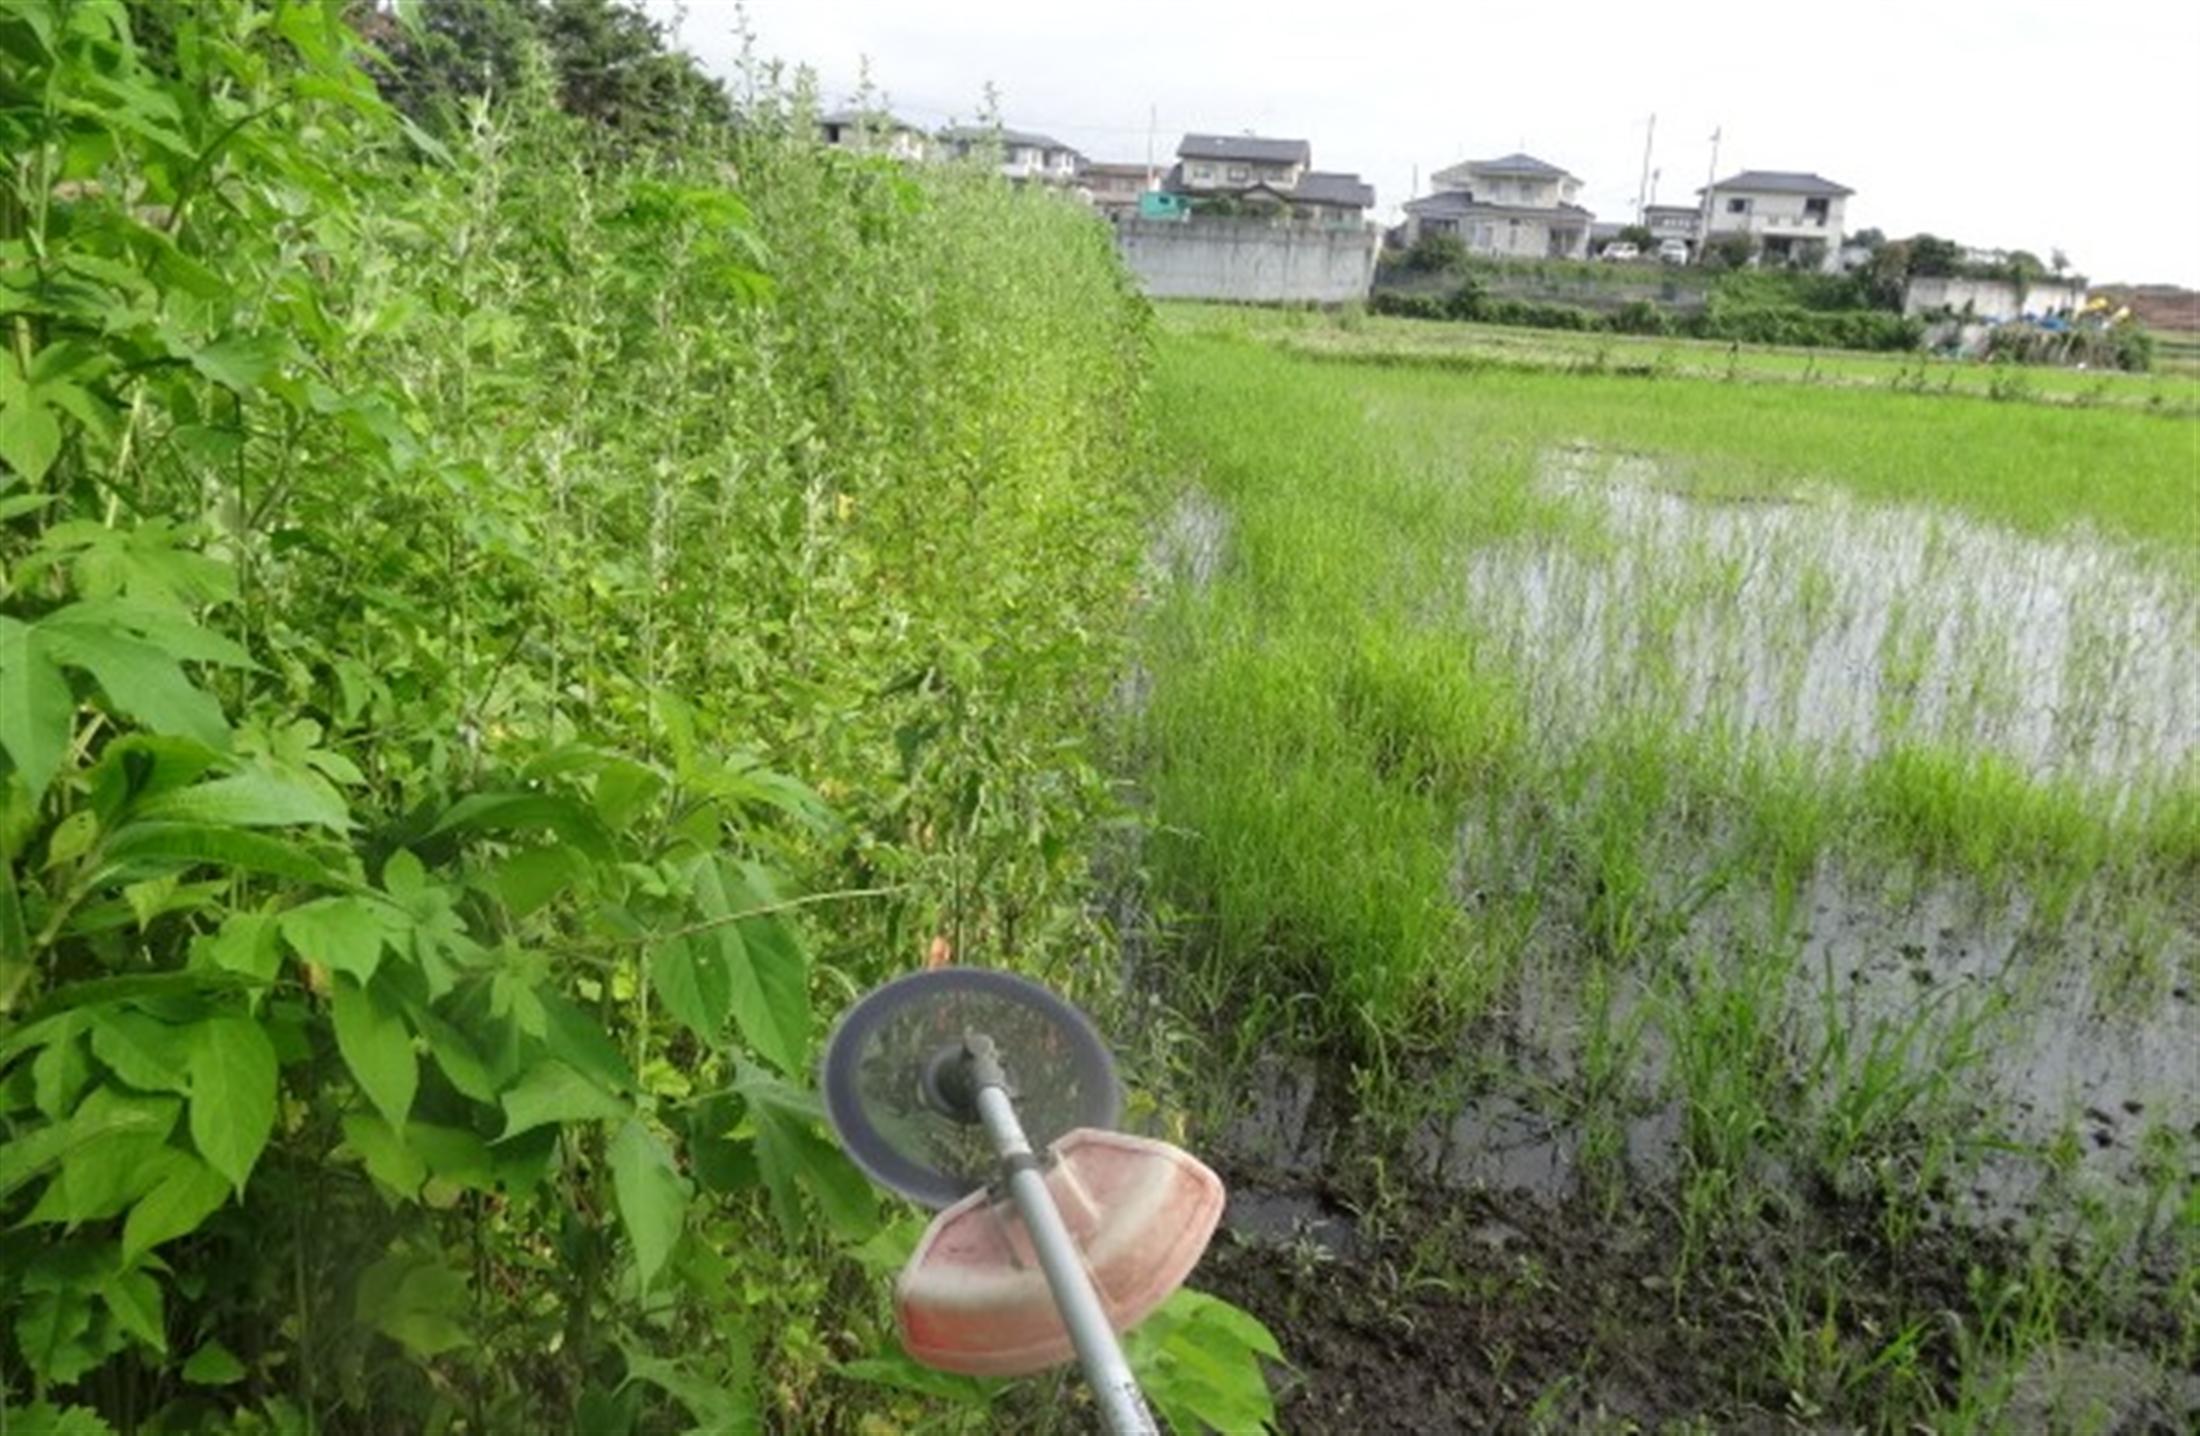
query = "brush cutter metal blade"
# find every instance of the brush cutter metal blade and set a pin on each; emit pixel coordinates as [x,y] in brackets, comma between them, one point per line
[882,1071]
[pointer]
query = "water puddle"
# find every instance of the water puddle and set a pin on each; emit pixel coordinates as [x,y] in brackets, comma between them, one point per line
[1821,623]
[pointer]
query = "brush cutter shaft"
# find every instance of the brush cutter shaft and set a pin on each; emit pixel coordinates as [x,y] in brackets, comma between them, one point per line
[1122,1405]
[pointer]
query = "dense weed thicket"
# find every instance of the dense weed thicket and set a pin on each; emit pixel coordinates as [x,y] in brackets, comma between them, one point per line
[499,642]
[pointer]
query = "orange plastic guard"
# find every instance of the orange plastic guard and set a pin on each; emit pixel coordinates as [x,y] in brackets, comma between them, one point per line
[973,1299]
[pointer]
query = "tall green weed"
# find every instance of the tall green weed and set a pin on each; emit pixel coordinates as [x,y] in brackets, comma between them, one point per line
[426,567]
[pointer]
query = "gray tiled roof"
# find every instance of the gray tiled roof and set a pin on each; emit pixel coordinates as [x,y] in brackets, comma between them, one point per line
[1453,204]
[1251,148]
[875,119]
[979,134]
[1328,187]
[1518,164]
[1782,182]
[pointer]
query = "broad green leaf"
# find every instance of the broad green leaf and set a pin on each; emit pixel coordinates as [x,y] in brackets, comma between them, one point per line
[691,978]
[346,934]
[143,1051]
[213,1365]
[30,436]
[99,1179]
[190,844]
[792,1157]
[36,707]
[232,1094]
[256,798]
[242,361]
[44,1419]
[652,1197]
[577,1039]
[527,880]
[527,812]
[134,1297]
[176,1206]
[138,678]
[28,1155]
[718,1410]
[417,1303]
[59,1074]
[52,1330]
[553,1092]
[769,977]
[389,1160]
[453,1154]
[454,1052]
[377,1047]
[246,945]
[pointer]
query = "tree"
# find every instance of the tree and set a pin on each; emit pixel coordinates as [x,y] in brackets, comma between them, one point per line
[1639,236]
[1934,257]
[1873,239]
[1436,252]
[2058,260]
[610,63]
[1732,250]
[1885,274]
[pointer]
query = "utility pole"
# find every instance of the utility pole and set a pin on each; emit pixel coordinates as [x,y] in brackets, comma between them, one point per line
[1711,180]
[1150,120]
[1642,190]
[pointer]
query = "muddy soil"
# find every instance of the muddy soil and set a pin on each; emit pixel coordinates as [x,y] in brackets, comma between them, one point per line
[1432,1310]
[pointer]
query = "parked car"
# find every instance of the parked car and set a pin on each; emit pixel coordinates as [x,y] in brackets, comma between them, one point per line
[1673,251]
[1620,251]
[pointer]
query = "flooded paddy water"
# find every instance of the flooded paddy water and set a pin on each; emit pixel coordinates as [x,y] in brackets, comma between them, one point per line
[1999,1042]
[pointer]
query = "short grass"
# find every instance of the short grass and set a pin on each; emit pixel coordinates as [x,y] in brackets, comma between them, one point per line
[2175,388]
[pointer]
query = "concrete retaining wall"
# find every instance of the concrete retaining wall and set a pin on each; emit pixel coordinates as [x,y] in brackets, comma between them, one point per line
[1249,260]
[1989,298]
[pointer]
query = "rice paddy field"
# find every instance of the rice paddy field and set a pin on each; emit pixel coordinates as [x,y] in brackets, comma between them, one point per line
[1697,878]
[2174,385]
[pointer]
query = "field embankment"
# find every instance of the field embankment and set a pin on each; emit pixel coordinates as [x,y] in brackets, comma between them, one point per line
[1695,881]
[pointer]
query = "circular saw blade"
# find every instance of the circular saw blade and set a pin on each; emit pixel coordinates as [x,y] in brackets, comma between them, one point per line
[1059,1073]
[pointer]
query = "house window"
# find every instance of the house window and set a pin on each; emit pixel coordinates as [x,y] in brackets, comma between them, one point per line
[1203,174]
[1737,206]
[1237,174]
[1815,209]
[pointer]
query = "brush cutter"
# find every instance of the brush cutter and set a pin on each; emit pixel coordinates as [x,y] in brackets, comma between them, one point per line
[985,1095]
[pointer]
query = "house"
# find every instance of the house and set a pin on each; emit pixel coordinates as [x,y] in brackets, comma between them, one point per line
[1516,205]
[1020,155]
[1115,188]
[1673,221]
[1794,218]
[1259,173]
[874,132]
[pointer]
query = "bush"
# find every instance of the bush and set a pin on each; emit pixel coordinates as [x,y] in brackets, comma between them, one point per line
[1640,316]
[1804,328]
[1435,253]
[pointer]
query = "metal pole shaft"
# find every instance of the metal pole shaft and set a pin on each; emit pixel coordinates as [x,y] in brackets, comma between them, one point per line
[1122,1405]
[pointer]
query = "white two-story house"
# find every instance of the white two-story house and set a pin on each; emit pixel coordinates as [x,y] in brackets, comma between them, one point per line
[1267,174]
[1515,207]
[874,132]
[1021,155]
[1795,218]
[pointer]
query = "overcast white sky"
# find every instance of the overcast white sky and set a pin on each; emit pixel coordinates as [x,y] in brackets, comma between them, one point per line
[2007,124]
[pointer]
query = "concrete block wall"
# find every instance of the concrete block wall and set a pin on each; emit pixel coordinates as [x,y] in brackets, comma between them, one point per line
[1249,261]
